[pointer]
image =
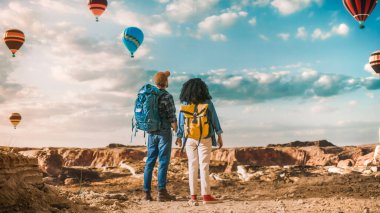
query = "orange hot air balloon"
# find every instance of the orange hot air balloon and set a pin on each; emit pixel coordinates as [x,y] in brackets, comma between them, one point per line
[15,119]
[374,61]
[14,39]
[97,7]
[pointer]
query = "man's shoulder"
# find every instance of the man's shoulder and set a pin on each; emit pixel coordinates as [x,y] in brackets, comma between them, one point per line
[166,94]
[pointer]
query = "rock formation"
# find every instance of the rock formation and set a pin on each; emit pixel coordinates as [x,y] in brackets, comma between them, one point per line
[22,188]
[315,153]
[17,174]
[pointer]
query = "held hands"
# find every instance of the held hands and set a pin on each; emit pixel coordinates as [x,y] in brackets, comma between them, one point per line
[178,142]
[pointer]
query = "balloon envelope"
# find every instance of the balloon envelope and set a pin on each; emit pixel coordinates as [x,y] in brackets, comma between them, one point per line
[15,119]
[374,61]
[14,39]
[132,39]
[360,9]
[97,7]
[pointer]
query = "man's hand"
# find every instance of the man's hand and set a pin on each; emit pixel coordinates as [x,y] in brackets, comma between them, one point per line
[178,142]
[174,127]
[220,141]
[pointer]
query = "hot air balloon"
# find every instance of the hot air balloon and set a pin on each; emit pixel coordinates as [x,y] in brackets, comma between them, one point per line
[374,61]
[15,119]
[132,39]
[360,9]
[14,39]
[97,7]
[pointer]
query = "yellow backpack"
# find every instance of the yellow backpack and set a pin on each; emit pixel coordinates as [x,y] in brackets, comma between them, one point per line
[196,122]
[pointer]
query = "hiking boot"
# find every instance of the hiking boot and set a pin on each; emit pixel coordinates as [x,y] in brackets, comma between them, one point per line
[208,199]
[148,196]
[164,196]
[193,201]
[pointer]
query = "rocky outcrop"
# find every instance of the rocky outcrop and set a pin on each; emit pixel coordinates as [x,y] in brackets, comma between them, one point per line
[317,156]
[346,163]
[321,155]
[16,173]
[320,143]
[115,145]
[102,157]
[49,161]
[315,153]
[22,188]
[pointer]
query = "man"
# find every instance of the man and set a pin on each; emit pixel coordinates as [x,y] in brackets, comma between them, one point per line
[160,141]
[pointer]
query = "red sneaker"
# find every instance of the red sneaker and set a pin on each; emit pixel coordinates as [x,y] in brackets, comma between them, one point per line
[193,201]
[208,199]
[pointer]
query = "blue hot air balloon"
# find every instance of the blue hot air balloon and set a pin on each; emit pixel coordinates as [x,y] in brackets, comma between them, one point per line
[132,39]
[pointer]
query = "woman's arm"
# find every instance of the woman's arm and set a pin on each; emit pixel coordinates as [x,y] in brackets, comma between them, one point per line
[181,125]
[214,119]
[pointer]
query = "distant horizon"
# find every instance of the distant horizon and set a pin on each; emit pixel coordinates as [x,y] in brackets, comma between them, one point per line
[278,70]
[176,147]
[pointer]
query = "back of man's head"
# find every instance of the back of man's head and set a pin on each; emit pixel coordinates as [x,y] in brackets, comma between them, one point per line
[161,79]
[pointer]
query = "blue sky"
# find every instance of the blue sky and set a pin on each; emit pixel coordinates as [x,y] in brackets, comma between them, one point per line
[279,70]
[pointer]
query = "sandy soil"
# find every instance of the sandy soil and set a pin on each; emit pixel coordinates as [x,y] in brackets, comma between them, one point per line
[309,190]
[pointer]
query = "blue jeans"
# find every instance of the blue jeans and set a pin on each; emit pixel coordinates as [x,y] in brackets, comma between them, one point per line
[159,145]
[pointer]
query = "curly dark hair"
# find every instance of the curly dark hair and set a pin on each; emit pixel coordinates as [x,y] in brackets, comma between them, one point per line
[194,91]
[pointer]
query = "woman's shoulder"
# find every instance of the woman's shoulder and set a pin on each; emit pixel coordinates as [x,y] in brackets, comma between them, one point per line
[208,101]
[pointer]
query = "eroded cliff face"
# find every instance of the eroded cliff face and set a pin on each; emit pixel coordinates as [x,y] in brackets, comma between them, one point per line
[22,188]
[319,154]
[17,175]
[97,158]
[286,155]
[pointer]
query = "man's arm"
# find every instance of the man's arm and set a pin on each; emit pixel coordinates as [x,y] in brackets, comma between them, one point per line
[170,111]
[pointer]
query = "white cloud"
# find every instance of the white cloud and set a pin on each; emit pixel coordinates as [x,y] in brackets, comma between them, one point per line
[339,30]
[163,1]
[319,34]
[352,103]
[322,109]
[60,6]
[301,33]
[214,23]
[284,36]
[263,37]
[370,95]
[218,37]
[119,13]
[308,74]
[253,21]
[287,7]
[183,10]
[261,3]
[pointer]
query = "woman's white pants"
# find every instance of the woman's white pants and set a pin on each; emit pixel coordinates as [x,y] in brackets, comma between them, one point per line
[199,158]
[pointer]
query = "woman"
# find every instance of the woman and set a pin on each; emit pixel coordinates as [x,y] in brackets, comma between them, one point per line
[198,124]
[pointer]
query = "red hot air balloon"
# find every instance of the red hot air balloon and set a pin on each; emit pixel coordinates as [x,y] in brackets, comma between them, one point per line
[97,7]
[14,39]
[374,61]
[360,9]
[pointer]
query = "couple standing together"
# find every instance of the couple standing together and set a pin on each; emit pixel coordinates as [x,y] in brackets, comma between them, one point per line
[197,126]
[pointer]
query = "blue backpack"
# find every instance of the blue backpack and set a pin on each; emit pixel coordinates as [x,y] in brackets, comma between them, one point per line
[147,116]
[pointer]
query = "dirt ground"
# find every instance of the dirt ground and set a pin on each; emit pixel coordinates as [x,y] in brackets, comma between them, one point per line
[276,189]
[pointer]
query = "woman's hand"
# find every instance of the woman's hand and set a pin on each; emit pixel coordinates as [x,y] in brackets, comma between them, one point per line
[220,141]
[178,142]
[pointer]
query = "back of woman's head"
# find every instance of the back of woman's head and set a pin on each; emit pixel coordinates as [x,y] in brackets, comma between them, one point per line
[195,91]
